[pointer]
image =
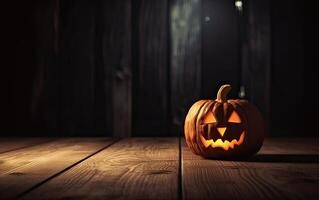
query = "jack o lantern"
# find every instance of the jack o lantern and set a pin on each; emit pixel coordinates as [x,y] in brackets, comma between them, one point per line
[224,129]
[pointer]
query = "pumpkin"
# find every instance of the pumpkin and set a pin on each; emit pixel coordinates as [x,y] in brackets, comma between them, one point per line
[224,129]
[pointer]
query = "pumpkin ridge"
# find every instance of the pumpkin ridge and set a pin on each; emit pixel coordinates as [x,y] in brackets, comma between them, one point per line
[190,123]
[196,120]
[202,112]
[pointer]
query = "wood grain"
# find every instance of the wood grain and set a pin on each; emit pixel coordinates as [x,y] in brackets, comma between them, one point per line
[299,146]
[185,58]
[45,96]
[114,68]
[285,169]
[256,69]
[23,169]
[134,168]
[15,143]
[77,62]
[148,168]
[150,58]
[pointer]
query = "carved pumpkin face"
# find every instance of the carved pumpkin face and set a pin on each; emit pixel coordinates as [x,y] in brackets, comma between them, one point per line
[224,128]
[228,132]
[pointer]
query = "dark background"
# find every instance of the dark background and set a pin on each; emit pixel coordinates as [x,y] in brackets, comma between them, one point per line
[134,67]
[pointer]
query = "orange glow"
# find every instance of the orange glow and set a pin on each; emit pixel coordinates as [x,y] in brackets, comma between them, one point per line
[210,118]
[221,130]
[234,118]
[225,145]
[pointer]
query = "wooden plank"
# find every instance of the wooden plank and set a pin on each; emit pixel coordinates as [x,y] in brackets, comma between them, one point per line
[220,43]
[256,69]
[92,80]
[185,59]
[134,168]
[77,61]
[19,63]
[113,73]
[150,58]
[288,38]
[23,169]
[279,171]
[302,146]
[83,68]
[14,143]
[44,105]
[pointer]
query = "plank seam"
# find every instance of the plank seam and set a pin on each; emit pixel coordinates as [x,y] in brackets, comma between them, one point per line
[64,170]
[28,146]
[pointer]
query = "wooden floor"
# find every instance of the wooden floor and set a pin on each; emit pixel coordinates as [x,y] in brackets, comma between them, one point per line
[153,168]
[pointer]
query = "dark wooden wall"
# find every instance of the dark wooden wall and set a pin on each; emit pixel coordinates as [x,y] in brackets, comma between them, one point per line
[288,67]
[134,67]
[185,59]
[150,49]
[18,70]
[83,85]
[221,43]
[311,62]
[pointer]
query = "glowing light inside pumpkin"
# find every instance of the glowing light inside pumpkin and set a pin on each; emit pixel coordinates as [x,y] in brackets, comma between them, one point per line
[210,118]
[223,144]
[234,118]
[221,130]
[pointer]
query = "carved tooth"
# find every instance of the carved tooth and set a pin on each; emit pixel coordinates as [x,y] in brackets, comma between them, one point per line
[225,145]
[206,143]
[231,144]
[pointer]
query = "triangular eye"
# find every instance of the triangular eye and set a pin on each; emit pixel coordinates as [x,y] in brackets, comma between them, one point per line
[210,118]
[234,118]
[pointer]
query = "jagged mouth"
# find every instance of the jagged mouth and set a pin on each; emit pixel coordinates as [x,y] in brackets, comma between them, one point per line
[226,145]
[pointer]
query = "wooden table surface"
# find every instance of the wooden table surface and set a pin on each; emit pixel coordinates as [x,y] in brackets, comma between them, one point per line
[153,168]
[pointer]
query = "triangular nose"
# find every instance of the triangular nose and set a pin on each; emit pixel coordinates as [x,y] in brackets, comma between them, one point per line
[221,130]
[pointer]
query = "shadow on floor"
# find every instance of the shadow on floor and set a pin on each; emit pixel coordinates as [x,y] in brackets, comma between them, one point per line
[285,158]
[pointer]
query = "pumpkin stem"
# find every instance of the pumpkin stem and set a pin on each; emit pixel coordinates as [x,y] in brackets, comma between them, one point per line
[222,93]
